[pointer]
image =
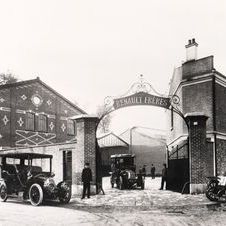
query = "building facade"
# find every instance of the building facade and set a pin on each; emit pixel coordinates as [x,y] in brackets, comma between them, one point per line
[149,147]
[200,88]
[32,114]
[110,144]
[35,118]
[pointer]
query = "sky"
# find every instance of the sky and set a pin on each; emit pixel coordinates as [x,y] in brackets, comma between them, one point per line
[90,49]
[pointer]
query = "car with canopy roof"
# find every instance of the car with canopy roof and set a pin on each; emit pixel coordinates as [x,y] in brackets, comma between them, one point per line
[30,175]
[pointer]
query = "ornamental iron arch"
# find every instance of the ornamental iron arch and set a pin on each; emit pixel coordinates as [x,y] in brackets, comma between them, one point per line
[142,93]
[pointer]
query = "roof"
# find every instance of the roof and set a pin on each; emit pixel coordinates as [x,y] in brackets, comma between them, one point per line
[25,155]
[122,155]
[111,140]
[37,80]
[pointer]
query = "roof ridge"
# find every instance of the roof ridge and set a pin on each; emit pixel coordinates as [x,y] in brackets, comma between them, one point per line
[45,85]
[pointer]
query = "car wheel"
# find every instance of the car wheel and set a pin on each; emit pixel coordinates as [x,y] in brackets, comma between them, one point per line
[211,192]
[121,185]
[64,193]
[36,195]
[3,193]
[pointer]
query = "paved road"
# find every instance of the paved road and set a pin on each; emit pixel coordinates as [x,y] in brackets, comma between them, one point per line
[134,207]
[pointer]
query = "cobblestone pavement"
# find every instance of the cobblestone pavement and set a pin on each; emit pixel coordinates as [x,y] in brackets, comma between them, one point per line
[128,207]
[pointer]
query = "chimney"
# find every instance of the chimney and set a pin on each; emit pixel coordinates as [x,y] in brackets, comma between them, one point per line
[191,50]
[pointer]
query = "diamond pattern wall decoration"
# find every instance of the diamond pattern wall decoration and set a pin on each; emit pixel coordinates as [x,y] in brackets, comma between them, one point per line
[2,100]
[49,102]
[23,97]
[5,120]
[63,127]
[20,122]
[51,126]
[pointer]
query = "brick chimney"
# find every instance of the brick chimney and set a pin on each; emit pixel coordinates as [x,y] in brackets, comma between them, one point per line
[191,50]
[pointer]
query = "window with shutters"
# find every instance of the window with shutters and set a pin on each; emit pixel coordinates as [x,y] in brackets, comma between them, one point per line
[42,123]
[30,121]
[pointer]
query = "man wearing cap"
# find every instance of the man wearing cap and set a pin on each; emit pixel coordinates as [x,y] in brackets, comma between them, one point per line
[86,178]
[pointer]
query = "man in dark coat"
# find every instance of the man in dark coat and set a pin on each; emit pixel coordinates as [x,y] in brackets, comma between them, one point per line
[86,178]
[164,176]
[152,171]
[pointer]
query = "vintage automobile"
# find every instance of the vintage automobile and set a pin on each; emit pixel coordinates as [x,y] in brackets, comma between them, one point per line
[21,175]
[124,172]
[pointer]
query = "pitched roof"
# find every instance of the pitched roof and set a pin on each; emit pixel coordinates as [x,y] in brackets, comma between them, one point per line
[38,80]
[111,140]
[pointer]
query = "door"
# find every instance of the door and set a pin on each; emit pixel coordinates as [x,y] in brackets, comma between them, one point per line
[67,166]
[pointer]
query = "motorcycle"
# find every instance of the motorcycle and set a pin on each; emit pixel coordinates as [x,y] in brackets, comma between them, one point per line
[216,188]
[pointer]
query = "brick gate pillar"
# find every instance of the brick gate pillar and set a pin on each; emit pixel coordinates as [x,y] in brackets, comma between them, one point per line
[198,159]
[85,151]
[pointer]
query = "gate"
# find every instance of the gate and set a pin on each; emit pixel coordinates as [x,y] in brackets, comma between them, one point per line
[178,169]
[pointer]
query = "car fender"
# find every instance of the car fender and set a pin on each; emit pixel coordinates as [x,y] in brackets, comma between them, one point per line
[2,182]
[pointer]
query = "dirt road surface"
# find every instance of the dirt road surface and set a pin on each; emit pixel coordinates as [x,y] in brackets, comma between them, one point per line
[128,207]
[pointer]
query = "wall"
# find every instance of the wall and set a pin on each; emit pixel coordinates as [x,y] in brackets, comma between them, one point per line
[220,108]
[16,100]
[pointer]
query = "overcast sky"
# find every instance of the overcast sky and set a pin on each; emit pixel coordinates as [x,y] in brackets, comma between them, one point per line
[88,50]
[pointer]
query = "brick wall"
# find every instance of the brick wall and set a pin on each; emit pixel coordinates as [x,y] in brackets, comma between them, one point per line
[198,154]
[220,108]
[221,156]
[198,97]
[197,67]
[16,100]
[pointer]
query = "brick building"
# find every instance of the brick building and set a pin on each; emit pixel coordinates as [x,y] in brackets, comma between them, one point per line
[35,118]
[32,113]
[201,88]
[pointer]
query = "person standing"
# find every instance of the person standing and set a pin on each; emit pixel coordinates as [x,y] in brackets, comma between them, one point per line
[152,171]
[164,176]
[144,171]
[86,179]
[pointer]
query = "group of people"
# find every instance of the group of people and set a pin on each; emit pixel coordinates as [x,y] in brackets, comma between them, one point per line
[87,177]
[142,171]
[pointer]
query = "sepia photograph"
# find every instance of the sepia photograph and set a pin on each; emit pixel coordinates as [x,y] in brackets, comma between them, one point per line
[112,113]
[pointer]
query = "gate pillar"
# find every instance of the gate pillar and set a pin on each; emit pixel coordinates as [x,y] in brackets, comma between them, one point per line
[85,151]
[198,154]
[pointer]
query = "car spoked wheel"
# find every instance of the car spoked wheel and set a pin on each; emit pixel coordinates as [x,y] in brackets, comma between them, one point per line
[64,193]
[3,193]
[36,194]
[212,191]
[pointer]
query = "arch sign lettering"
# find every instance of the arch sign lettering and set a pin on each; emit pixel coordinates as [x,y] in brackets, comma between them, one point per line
[142,93]
[141,98]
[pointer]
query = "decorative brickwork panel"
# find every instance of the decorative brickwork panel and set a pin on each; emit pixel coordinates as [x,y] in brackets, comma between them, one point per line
[38,99]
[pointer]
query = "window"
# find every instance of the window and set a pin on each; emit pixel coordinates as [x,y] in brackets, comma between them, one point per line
[171,118]
[42,123]
[71,130]
[30,121]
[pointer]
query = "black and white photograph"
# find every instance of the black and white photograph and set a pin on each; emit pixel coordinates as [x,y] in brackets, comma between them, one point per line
[112,113]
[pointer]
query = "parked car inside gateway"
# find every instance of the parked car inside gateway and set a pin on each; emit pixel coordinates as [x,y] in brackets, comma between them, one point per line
[21,175]
[124,172]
